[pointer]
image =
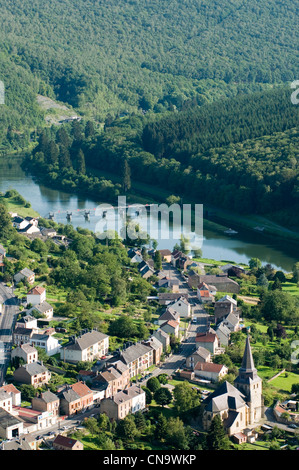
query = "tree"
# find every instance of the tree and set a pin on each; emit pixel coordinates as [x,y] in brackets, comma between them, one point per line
[126,428]
[173,200]
[296,272]
[176,436]
[92,425]
[163,396]
[148,395]
[262,281]
[185,397]
[276,285]
[153,384]
[126,177]
[89,129]
[255,263]
[157,260]
[80,163]
[5,223]
[123,327]
[161,427]
[279,306]
[216,438]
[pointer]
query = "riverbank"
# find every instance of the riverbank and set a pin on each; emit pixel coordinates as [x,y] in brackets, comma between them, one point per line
[219,219]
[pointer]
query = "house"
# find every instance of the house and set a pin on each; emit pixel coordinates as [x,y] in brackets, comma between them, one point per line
[19,222]
[206,293]
[25,275]
[5,400]
[224,307]
[232,322]
[10,425]
[157,348]
[126,402]
[210,371]
[169,314]
[221,282]
[182,306]
[205,297]
[166,255]
[14,392]
[26,442]
[171,284]
[240,405]
[199,355]
[208,340]
[47,342]
[36,296]
[145,270]
[2,264]
[66,443]
[46,402]
[48,232]
[166,298]
[87,347]
[35,420]
[22,335]
[27,321]
[180,260]
[75,398]
[44,309]
[138,358]
[112,379]
[223,333]
[29,229]
[35,374]
[171,327]
[26,352]
[163,338]
[135,256]
[209,287]
[233,270]
[32,220]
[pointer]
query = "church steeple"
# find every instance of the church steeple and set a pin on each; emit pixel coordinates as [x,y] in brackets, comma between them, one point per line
[250,384]
[247,368]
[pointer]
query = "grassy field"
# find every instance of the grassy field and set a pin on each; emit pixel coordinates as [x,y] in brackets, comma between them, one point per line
[18,207]
[285,381]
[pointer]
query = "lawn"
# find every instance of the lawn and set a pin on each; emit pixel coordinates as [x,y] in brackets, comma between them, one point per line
[290,287]
[285,381]
[18,207]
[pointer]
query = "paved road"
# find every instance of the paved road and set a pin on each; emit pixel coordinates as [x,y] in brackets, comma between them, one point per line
[7,320]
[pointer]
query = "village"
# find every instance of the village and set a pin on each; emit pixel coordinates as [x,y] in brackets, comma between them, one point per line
[194,328]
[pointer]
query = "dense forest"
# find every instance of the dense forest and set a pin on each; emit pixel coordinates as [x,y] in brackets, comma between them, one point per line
[194,96]
[241,155]
[111,57]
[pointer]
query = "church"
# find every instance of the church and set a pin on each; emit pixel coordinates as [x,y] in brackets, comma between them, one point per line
[240,405]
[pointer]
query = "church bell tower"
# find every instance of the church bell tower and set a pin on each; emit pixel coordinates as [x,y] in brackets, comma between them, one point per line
[250,384]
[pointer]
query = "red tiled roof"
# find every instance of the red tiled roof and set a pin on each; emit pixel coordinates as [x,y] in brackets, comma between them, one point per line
[81,389]
[208,367]
[10,388]
[36,291]
[205,337]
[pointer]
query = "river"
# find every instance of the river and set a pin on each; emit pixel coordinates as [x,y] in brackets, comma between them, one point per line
[216,245]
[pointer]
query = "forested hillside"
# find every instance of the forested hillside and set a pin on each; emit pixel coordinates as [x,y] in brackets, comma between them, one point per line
[110,56]
[20,114]
[242,156]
